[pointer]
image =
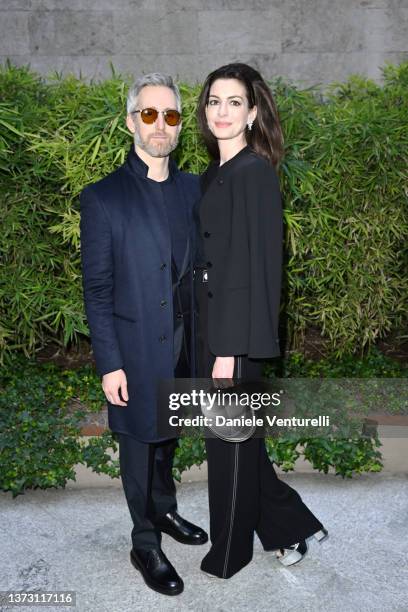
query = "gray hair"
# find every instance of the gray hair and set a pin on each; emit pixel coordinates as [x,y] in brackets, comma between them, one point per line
[154,78]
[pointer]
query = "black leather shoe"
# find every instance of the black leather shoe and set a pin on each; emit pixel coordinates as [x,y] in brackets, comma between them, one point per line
[181,530]
[157,571]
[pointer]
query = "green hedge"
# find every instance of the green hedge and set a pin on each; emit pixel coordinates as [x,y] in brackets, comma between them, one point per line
[343,181]
[42,407]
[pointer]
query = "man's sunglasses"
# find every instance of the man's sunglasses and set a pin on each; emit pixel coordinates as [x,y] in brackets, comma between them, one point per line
[149,115]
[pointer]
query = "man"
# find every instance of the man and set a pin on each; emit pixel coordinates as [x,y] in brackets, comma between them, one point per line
[136,248]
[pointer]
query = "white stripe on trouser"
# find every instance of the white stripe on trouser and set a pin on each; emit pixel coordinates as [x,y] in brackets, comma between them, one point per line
[234,497]
[234,486]
[239,366]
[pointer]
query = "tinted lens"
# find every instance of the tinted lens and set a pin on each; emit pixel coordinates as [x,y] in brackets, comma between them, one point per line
[172,117]
[149,115]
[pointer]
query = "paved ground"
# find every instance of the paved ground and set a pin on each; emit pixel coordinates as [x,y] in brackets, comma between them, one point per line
[78,539]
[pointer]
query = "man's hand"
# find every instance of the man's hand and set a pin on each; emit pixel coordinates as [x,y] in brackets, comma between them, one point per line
[111,383]
[223,367]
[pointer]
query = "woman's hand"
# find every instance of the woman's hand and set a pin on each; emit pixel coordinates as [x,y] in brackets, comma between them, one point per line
[223,367]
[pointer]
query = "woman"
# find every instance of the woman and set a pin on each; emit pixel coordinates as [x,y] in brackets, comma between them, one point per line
[238,293]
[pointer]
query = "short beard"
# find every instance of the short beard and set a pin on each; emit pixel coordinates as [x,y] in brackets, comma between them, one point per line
[161,150]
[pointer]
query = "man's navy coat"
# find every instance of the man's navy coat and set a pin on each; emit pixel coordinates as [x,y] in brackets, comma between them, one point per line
[127,281]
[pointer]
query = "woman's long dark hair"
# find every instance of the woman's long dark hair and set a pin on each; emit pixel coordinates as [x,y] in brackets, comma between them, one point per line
[266,136]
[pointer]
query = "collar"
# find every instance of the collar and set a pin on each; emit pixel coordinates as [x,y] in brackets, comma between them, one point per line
[229,165]
[231,161]
[214,170]
[137,166]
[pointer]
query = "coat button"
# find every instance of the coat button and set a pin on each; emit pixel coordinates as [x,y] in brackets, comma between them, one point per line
[162,338]
[163,266]
[210,294]
[220,181]
[163,303]
[207,234]
[179,315]
[209,264]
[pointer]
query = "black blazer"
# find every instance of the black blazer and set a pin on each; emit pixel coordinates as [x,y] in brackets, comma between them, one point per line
[242,234]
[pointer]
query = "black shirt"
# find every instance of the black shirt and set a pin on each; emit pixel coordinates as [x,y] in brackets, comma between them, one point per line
[168,193]
[177,219]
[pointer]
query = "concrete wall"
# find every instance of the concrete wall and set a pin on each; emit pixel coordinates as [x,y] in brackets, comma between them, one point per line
[310,41]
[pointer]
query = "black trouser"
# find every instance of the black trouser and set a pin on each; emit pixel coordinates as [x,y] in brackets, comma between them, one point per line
[245,494]
[146,468]
[148,485]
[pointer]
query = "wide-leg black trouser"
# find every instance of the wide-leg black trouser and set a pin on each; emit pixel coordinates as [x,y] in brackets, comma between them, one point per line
[245,494]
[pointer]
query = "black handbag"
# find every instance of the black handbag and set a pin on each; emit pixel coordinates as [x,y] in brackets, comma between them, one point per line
[227,418]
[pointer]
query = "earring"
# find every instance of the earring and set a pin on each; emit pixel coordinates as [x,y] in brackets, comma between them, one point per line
[249,124]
